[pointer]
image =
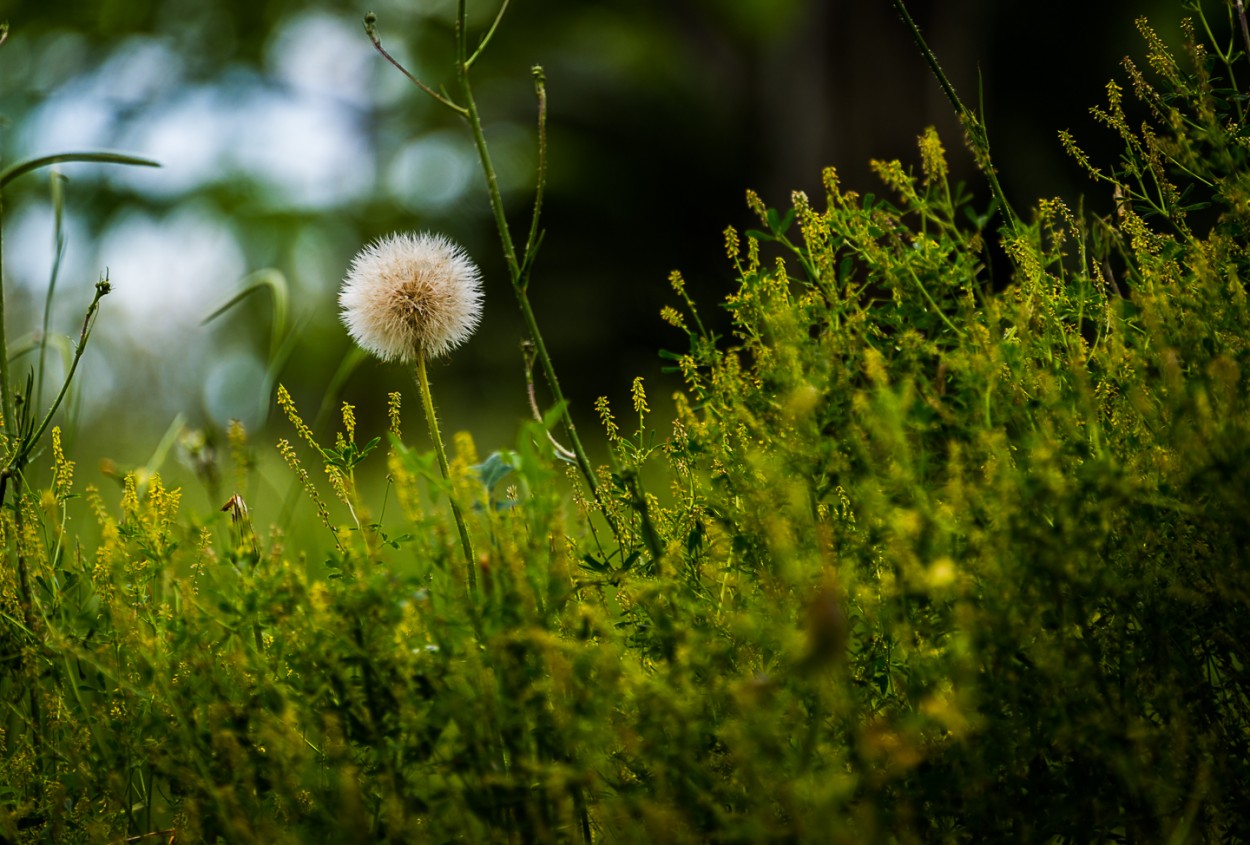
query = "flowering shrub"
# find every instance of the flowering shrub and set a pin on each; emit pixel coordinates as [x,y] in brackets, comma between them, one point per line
[924,556]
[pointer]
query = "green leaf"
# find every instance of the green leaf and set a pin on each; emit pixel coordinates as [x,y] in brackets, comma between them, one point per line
[594,565]
[553,416]
[396,542]
[423,464]
[368,447]
[497,466]
[845,268]
[267,279]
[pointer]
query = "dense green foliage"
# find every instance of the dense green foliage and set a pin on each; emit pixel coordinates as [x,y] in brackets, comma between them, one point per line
[928,555]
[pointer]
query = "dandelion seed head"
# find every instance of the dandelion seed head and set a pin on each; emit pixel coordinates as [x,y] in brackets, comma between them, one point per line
[409,295]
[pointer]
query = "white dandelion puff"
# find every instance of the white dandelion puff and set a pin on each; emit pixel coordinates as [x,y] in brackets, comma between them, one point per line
[408,297]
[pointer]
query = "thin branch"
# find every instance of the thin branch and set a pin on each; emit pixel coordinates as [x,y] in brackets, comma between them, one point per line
[931,58]
[531,243]
[519,289]
[58,255]
[462,38]
[6,389]
[102,289]
[490,33]
[1245,27]
[492,181]
[168,832]
[527,349]
[9,421]
[371,30]
[972,123]
[517,270]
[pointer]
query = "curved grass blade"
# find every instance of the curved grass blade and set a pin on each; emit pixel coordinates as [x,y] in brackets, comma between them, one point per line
[22,167]
[279,288]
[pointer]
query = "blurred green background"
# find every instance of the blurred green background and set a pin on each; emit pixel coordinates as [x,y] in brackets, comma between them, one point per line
[287,143]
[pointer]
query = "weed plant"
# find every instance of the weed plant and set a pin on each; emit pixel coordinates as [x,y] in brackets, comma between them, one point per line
[939,556]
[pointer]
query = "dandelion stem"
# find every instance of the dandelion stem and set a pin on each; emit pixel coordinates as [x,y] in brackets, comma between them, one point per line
[431,420]
[518,266]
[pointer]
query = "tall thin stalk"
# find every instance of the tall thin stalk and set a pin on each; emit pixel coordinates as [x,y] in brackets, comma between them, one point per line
[973,124]
[58,254]
[22,444]
[19,444]
[6,388]
[519,265]
[19,438]
[1245,26]
[427,401]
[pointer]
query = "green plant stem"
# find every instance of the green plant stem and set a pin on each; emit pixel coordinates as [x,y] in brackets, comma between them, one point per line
[515,270]
[933,304]
[58,254]
[1245,27]
[431,420]
[638,501]
[102,290]
[972,123]
[490,33]
[32,629]
[21,445]
[531,242]
[6,389]
[372,32]
[518,267]
[9,424]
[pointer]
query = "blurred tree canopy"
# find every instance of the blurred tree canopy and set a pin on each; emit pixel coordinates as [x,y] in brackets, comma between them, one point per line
[287,142]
